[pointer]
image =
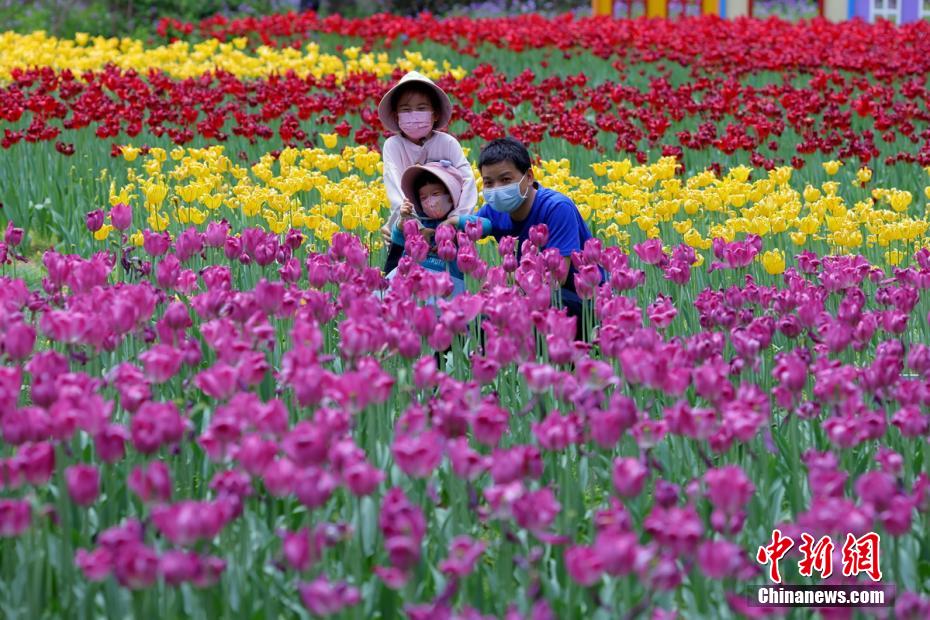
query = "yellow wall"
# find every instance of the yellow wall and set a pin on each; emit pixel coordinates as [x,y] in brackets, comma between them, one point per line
[657,8]
[710,7]
[602,7]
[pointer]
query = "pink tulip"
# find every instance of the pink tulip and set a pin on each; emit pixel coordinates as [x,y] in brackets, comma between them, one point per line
[584,565]
[177,567]
[12,236]
[15,517]
[186,522]
[464,553]
[152,484]
[536,510]
[155,244]
[121,216]
[96,565]
[297,549]
[651,252]
[556,432]
[94,220]
[83,483]
[629,476]
[135,566]
[154,425]
[617,552]
[325,598]
[418,455]
[19,340]
[161,362]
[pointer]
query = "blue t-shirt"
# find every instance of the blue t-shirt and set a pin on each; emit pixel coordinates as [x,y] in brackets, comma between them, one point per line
[568,231]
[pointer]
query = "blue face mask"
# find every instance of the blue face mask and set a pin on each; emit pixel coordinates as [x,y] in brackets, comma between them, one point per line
[506,199]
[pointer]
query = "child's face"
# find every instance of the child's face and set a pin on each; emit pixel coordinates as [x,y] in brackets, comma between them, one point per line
[435,200]
[413,101]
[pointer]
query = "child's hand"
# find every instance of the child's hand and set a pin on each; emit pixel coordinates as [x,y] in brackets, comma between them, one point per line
[406,211]
[453,221]
[386,234]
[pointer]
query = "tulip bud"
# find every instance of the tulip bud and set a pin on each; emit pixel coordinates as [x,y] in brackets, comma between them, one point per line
[19,341]
[232,247]
[121,216]
[294,239]
[539,235]
[83,483]
[94,220]
[216,234]
[13,236]
[629,476]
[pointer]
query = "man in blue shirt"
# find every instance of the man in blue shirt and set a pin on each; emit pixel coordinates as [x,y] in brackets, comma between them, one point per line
[515,202]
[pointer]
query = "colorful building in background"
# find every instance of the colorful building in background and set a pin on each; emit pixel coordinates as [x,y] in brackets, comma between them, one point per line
[898,11]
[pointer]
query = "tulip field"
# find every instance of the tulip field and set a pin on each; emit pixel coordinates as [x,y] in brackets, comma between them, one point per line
[213,404]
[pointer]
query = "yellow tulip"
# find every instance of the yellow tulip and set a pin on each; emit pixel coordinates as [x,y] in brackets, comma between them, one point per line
[773,261]
[130,153]
[811,193]
[894,257]
[103,232]
[832,167]
[741,173]
[158,221]
[864,175]
[900,200]
[316,188]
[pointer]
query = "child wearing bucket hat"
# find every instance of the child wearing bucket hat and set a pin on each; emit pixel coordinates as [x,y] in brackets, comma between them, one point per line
[431,194]
[417,111]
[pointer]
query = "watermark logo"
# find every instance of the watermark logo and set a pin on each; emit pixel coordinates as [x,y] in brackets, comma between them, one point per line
[822,596]
[860,556]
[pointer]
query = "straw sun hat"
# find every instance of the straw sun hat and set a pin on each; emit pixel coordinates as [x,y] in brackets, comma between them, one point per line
[386,109]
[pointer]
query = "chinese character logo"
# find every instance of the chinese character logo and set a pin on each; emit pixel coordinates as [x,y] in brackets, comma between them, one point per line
[773,552]
[860,555]
[817,557]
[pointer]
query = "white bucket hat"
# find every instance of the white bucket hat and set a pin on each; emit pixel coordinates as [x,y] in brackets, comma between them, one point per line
[386,109]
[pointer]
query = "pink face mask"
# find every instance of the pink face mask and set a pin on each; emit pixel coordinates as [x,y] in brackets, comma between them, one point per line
[415,125]
[437,207]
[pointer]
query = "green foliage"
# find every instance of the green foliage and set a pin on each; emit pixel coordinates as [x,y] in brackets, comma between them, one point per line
[120,17]
[138,17]
[491,7]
